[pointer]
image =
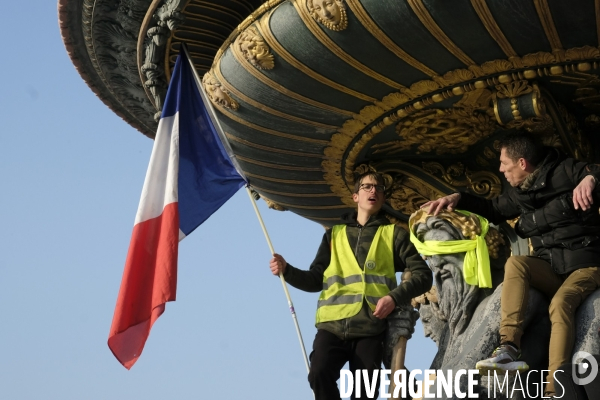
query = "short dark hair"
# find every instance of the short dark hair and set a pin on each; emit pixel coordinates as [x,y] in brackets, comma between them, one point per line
[375,175]
[522,145]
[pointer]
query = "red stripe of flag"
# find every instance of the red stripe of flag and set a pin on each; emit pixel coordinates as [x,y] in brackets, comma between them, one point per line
[149,281]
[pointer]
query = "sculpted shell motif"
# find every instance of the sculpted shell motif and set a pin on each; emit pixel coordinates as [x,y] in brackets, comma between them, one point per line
[539,58]
[459,75]
[492,67]
[423,87]
[393,100]
[581,53]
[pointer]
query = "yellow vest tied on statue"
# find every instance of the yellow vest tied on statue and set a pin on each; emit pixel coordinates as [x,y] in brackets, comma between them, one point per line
[346,284]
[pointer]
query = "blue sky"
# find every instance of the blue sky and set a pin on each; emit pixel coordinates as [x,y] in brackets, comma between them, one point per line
[71,174]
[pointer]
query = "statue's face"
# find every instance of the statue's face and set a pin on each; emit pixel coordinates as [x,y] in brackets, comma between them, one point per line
[444,266]
[251,44]
[248,47]
[432,325]
[456,299]
[214,92]
[327,10]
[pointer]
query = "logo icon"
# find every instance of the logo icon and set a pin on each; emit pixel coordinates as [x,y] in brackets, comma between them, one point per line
[370,264]
[585,368]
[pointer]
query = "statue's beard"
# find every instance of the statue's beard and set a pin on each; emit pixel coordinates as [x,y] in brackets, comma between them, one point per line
[457,299]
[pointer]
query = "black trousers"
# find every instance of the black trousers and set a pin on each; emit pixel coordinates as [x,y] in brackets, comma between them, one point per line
[329,355]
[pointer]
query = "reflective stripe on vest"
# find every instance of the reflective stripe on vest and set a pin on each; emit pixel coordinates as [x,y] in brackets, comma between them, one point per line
[346,284]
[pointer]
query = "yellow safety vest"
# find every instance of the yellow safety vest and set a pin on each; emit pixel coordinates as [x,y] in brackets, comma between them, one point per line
[346,284]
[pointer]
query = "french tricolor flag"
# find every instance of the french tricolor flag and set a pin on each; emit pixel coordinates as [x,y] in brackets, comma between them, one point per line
[189,177]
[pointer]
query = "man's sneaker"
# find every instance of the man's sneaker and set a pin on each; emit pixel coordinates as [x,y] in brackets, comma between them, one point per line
[503,359]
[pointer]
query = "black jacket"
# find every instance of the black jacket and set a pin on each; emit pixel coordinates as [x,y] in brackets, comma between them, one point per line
[360,237]
[566,238]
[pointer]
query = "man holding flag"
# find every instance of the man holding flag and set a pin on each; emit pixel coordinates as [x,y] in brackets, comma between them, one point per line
[355,271]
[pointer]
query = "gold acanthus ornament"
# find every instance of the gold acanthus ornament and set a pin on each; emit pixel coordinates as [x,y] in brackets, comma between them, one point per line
[482,183]
[513,89]
[408,194]
[358,131]
[217,93]
[330,13]
[441,131]
[255,49]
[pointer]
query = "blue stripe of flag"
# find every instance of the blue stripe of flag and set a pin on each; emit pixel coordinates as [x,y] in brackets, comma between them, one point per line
[207,177]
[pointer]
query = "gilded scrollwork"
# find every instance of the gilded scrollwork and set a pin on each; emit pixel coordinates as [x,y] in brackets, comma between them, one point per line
[534,125]
[347,144]
[448,174]
[441,131]
[482,161]
[489,153]
[217,93]
[330,13]
[255,49]
[482,183]
[408,194]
